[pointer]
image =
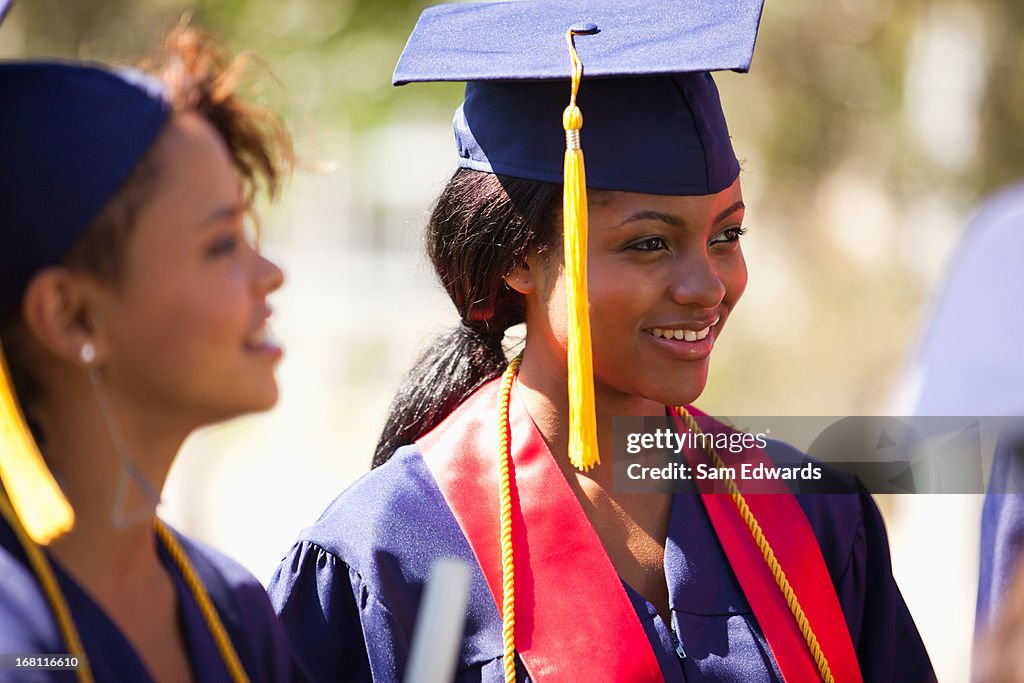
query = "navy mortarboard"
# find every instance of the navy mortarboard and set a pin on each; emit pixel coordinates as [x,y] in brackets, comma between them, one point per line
[653,118]
[71,136]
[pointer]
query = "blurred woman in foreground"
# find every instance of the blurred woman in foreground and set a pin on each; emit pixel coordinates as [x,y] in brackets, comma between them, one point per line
[133,308]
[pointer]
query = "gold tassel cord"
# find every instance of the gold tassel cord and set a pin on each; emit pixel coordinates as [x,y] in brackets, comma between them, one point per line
[508,583]
[202,598]
[51,589]
[34,494]
[767,554]
[583,452]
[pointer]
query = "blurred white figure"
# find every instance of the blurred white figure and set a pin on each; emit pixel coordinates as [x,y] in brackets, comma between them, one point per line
[971,358]
[970,362]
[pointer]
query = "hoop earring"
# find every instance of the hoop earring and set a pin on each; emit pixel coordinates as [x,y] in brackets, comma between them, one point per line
[129,473]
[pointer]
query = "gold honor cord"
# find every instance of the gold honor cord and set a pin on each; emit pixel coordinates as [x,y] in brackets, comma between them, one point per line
[202,598]
[766,552]
[508,574]
[51,589]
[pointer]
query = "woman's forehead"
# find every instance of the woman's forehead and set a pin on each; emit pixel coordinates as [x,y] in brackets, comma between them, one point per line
[728,200]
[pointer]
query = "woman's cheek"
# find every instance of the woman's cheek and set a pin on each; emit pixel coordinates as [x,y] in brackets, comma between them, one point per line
[552,295]
[735,278]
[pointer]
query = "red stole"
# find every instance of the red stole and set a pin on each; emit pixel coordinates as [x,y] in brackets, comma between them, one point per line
[574,620]
[784,524]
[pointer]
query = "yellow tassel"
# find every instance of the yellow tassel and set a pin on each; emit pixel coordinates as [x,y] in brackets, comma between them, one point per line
[34,494]
[583,451]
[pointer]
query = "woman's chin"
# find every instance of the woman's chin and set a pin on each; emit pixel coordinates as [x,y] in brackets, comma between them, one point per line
[266,400]
[256,400]
[683,398]
[682,388]
[656,398]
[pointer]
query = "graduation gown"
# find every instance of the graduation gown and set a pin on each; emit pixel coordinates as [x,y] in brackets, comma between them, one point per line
[349,589]
[27,625]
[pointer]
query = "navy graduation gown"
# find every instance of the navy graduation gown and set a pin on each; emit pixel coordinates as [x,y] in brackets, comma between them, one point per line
[349,589]
[27,625]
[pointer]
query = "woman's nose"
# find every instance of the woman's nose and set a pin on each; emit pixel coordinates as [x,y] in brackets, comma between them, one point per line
[268,275]
[696,281]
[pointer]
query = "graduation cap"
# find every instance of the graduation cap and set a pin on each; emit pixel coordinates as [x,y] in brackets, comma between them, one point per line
[654,121]
[71,136]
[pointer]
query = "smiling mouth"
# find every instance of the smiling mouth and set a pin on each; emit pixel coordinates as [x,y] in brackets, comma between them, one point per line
[260,339]
[680,334]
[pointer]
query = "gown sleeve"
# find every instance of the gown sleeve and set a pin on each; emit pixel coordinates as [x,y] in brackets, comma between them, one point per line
[314,594]
[349,591]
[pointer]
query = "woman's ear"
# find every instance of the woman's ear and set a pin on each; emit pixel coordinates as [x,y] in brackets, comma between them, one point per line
[521,279]
[58,310]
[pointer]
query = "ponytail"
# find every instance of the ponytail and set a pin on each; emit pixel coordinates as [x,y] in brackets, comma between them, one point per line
[451,369]
[482,227]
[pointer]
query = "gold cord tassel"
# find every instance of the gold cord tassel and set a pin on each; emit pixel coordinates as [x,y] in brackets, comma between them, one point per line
[582,421]
[34,494]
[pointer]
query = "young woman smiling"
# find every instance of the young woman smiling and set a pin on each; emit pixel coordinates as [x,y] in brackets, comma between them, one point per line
[496,462]
[133,308]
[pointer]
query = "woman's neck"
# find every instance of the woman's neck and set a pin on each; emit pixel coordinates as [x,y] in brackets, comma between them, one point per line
[112,540]
[632,527]
[542,386]
[117,564]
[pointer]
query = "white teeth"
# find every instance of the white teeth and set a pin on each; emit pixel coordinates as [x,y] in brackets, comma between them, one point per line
[681,335]
[257,338]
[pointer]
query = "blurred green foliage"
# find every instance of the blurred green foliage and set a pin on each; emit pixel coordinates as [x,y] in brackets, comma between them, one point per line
[836,69]
[332,56]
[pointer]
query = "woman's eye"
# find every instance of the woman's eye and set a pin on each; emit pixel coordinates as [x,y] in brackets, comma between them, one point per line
[649,244]
[730,234]
[223,245]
